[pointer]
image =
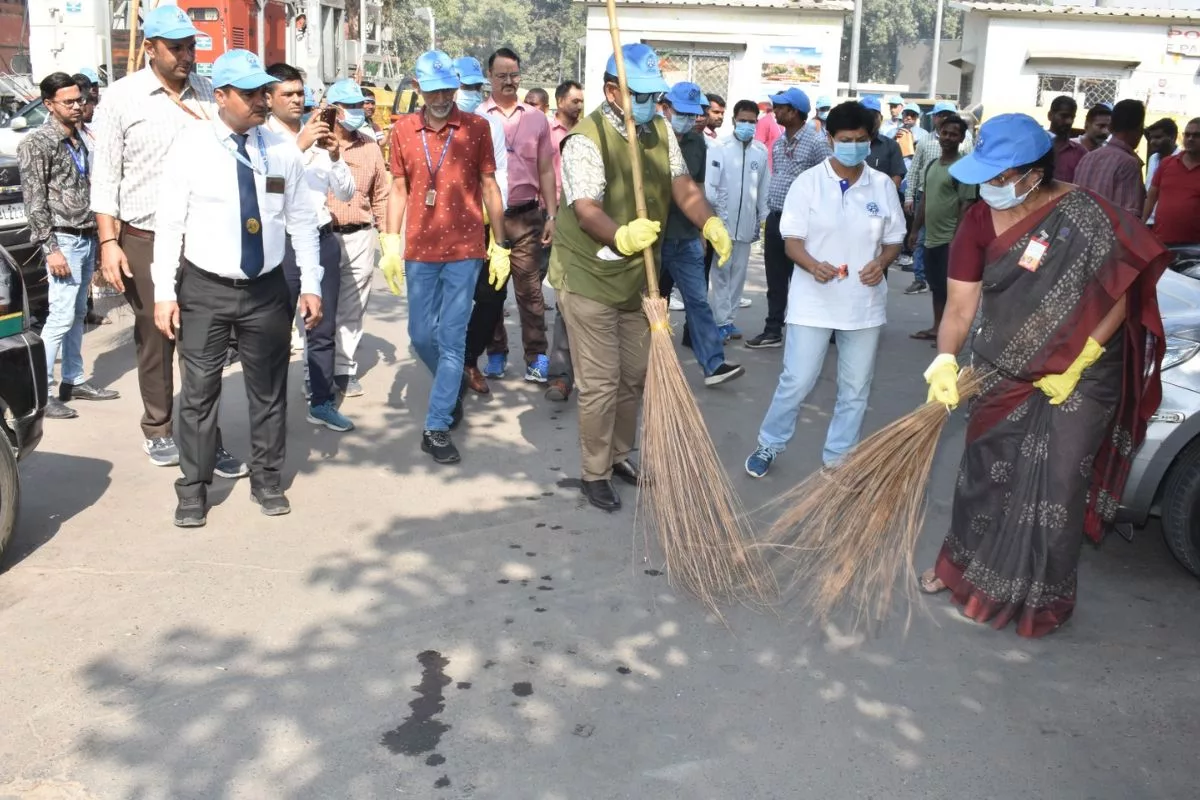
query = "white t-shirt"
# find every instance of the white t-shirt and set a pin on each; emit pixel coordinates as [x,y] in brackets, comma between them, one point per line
[840,227]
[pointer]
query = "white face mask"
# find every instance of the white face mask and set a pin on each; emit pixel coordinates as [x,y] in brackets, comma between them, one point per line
[1005,197]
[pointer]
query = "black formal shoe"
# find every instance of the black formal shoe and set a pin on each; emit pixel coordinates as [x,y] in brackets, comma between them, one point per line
[85,391]
[57,409]
[273,501]
[190,513]
[627,471]
[439,445]
[602,495]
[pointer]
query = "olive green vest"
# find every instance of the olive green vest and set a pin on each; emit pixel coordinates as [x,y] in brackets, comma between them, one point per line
[574,264]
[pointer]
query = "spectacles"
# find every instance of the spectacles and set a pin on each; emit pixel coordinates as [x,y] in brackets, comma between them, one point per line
[74,101]
[647,97]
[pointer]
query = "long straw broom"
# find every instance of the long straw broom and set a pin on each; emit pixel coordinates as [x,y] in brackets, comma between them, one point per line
[848,532]
[685,497]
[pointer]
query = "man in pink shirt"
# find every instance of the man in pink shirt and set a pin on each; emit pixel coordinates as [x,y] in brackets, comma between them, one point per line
[531,185]
[767,130]
[568,102]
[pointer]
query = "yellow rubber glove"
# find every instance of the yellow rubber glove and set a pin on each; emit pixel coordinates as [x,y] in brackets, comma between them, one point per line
[499,264]
[392,262]
[942,377]
[716,234]
[635,237]
[1059,387]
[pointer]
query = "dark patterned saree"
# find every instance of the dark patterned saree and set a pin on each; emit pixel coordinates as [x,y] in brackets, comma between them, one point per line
[1036,477]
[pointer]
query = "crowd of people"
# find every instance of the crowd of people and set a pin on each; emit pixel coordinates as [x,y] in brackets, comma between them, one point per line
[1038,232]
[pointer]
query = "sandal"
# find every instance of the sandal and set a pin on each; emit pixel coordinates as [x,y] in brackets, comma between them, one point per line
[925,335]
[930,583]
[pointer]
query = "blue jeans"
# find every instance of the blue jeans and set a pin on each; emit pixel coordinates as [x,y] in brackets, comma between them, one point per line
[68,307]
[803,356]
[684,260]
[439,306]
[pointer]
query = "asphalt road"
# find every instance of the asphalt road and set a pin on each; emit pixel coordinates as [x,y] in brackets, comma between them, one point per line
[477,631]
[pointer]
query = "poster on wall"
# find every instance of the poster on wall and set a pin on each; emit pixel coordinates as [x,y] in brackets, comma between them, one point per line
[785,65]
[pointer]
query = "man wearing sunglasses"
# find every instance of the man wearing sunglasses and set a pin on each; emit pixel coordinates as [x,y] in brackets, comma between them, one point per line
[596,264]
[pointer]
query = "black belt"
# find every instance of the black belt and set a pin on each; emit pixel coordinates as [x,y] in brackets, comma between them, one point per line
[82,232]
[362,226]
[325,231]
[235,283]
[513,211]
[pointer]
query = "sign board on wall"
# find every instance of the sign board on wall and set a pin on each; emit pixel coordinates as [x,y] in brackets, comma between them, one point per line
[785,66]
[1184,41]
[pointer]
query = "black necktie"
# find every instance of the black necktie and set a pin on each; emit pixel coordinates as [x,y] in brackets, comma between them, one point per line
[252,243]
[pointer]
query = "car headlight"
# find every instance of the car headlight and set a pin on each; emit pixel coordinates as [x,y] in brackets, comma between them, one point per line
[1181,346]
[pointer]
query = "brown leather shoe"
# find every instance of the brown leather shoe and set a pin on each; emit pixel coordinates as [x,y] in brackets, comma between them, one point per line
[475,380]
[558,390]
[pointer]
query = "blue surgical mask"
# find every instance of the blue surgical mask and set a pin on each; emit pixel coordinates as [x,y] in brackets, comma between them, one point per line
[743,131]
[644,112]
[680,123]
[469,100]
[851,154]
[823,115]
[1003,198]
[354,118]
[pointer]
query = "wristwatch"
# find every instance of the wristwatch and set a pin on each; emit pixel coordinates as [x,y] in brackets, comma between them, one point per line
[507,244]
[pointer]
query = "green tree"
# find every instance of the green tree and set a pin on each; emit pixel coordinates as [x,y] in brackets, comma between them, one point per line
[887,25]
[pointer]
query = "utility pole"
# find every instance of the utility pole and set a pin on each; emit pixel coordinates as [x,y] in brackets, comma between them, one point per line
[937,51]
[856,45]
[426,13]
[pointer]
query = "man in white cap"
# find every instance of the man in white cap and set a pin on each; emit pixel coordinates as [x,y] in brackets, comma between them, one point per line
[141,116]
[325,174]
[230,194]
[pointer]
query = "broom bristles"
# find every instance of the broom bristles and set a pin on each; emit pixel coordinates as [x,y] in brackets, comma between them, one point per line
[686,500]
[850,531]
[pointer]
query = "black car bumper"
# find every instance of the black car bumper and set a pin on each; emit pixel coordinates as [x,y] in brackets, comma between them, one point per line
[23,390]
[33,269]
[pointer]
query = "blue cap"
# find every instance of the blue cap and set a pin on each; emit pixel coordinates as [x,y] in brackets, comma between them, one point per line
[871,103]
[794,98]
[687,98]
[345,92]
[942,106]
[911,107]
[1004,142]
[240,69]
[824,101]
[91,75]
[642,72]
[435,71]
[168,22]
[310,99]
[470,71]
[895,100]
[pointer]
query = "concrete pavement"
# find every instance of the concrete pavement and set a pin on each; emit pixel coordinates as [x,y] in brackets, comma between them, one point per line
[476,631]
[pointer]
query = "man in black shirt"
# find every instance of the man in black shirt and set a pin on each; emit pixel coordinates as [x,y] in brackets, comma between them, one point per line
[885,152]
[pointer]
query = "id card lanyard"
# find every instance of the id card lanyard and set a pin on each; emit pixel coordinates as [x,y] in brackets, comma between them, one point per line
[431,195]
[262,151]
[80,156]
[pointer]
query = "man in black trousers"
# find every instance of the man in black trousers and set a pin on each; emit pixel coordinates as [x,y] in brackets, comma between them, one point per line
[230,194]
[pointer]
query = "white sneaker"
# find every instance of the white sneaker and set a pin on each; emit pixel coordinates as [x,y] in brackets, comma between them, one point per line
[676,303]
[745,302]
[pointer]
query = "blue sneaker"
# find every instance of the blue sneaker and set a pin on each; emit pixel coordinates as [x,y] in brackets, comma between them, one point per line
[326,414]
[496,364]
[760,461]
[539,370]
[733,332]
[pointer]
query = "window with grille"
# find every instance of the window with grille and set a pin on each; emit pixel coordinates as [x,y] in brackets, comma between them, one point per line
[1087,90]
[706,68]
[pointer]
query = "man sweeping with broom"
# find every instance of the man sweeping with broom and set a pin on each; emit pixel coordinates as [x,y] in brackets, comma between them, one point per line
[596,265]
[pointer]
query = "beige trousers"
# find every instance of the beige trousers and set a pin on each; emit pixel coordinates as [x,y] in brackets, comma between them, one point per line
[609,351]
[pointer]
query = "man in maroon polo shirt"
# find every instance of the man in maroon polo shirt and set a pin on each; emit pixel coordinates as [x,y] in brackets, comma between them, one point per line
[1067,152]
[530,223]
[1175,193]
[444,174]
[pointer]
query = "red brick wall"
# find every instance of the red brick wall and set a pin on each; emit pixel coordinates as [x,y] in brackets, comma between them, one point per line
[14,38]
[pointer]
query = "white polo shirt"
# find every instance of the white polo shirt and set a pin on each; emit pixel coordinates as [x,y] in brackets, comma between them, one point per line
[838,226]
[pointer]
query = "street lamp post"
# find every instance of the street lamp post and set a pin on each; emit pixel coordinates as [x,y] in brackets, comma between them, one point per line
[426,13]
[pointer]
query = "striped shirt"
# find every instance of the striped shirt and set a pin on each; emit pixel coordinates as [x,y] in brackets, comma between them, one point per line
[1115,173]
[791,155]
[372,182]
[134,127]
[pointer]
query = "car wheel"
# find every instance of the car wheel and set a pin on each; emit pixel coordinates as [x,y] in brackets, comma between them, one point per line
[10,492]
[1181,508]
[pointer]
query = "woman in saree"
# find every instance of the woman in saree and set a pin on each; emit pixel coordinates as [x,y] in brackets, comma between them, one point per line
[1058,286]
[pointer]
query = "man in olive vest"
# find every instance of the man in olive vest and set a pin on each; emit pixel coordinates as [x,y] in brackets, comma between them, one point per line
[596,264]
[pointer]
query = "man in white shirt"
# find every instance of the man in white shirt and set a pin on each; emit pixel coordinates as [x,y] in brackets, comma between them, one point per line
[324,171]
[231,193]
[842,225]
[736,186]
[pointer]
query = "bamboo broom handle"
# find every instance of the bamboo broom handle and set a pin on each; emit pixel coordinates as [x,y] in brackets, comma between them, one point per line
[133,29]
[635,153]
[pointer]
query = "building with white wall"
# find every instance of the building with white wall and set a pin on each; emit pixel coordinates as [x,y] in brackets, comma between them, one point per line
[739,49]
[1019,57]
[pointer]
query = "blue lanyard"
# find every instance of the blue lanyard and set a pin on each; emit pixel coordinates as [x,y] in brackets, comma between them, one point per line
[80,156]
[262,151]
[433,171]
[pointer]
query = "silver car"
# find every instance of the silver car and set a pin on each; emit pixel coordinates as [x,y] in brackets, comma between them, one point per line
[1165,477]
